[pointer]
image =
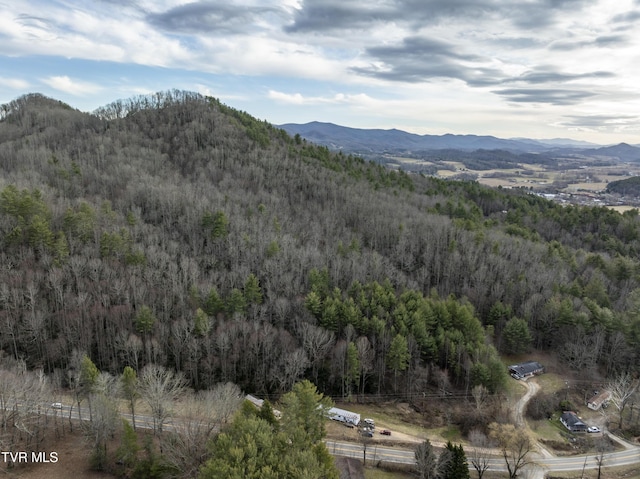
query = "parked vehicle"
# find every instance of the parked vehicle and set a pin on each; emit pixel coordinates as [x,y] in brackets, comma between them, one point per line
[367,434]
[593,429]
[385,432]
[56,405]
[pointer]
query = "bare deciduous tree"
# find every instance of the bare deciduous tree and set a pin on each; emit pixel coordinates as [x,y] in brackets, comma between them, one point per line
[290,369]
[316,342]
[159,388]
[22,394]
[223,399]
[583,351]
[479,454]
[622,388]
[104,417]
[480,395]
[515,446]
[366,355]
[201,415]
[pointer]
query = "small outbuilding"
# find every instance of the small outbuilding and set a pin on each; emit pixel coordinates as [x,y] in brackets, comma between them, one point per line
[599,400]
[258,404]
[254,400]
[572,422]
[526,370]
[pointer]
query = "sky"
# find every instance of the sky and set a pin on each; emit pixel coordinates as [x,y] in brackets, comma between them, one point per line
[508,68]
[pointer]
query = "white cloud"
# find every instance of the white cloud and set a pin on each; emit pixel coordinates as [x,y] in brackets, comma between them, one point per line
[356,100]
[73,87]
[14,83]
[87,30]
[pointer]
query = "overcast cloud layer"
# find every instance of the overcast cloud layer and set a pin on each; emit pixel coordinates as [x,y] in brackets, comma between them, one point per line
[539,69]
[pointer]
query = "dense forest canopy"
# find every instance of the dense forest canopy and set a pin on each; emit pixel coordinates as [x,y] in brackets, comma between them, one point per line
[172,229]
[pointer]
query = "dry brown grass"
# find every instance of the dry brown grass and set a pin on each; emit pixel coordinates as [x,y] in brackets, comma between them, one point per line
[73,462]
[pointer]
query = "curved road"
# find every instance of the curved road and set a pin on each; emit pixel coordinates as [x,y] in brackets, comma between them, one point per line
[532,389]
[537,469]
[518,413]
[407,456]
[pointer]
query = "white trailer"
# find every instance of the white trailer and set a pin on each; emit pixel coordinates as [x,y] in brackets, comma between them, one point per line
[341,415]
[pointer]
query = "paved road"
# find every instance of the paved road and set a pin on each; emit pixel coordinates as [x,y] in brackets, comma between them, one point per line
[142,421]
[622,458]
[543,462]
[406,456]
[376,453]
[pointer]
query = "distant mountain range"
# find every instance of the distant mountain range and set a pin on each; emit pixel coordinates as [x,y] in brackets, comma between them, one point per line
[377,141]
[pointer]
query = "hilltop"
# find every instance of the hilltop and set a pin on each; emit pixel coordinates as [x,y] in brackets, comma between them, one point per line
[173,229]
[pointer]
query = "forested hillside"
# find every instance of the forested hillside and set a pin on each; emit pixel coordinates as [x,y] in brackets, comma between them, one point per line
[629,187]
[172,229]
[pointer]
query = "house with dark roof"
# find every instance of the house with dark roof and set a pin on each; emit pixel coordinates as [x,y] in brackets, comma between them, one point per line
[572,422]
[526,369]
